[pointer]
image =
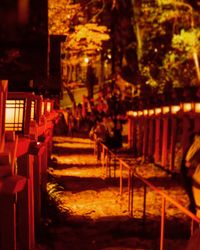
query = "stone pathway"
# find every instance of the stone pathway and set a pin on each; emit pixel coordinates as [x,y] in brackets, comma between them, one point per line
[91,214]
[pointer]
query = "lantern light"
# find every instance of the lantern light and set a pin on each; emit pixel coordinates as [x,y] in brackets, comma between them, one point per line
[43,107]
[49,106]
[197,107]
[14,118]
[151,112]
[166,109]
[135,113]
[158,111]
[32,110]
[132,113]
[145,112]
[140,113]
[175,109]
[86,59]
[187,107]
[109,56]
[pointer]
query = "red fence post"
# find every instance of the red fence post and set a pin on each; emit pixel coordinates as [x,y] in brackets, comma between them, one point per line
[172,142]
[196,123]
[196,117]
[25,205]
[130,132]
[134,135]
[140,132]
[158,139]
[165,136]
[187,130]
[37,150]
[8,222]
[162,228]
[136,131]
[151,139]
[145,135]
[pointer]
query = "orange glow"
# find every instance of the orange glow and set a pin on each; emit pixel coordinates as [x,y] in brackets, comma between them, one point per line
[32,110]
[175,109]
[135,113]
[42,110]
[145,112]
[166,110]
[196,61]
[197,107]
[49,106]
[23,11]
[151,112]
[187,107]
[132,113]
[140,113]
[86,60]
[158,111]
[14,115]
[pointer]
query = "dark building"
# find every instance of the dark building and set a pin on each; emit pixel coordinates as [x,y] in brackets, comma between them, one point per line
[24,44]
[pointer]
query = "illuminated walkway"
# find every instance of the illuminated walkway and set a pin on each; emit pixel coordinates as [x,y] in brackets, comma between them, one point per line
[91,214]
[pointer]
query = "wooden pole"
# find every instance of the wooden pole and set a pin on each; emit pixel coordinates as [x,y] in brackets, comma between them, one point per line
[162,229]
[157,152]
[121,179]
[25,205]
[173,136]
[8,222]
[151,138]
[145,137]
[165,141]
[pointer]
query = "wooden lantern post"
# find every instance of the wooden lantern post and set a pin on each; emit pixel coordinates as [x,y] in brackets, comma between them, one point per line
[25,204]
[174,109]
[151,134]
[132,124]
[188,124]
[145,133]
[140,132]
[18,119]
[197,117]
[158,135]
[165,136]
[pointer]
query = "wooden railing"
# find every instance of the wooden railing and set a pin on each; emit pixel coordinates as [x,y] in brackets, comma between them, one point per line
[107,156]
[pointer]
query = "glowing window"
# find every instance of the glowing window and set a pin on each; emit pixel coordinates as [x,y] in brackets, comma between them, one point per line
[32,110]
[166,109]
[140,113]
[175,109]
[151,112]
[42,108]
[158,111]
[187,107]
[132,113]
[197,107]
[48,106]
[14,115]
